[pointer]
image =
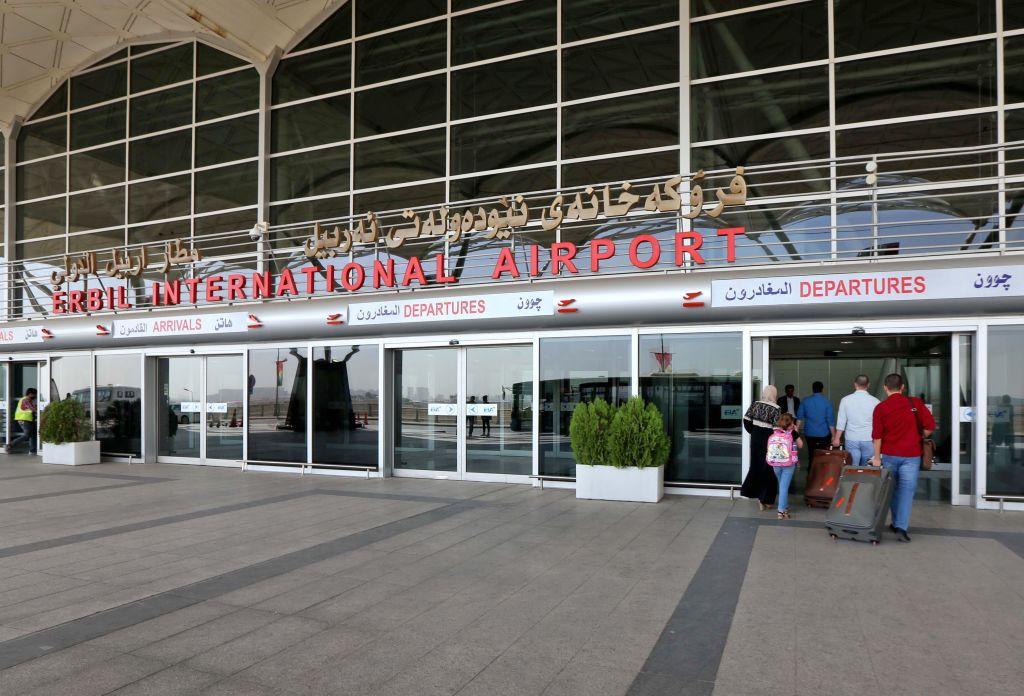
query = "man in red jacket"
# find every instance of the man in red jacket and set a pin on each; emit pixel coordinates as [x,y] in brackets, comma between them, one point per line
[897,426]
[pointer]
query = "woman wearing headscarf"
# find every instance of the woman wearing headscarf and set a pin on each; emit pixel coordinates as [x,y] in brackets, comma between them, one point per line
[759,421]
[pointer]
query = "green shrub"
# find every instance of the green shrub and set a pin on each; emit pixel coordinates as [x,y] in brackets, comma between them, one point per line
[588,431]
[637,436]
[64,421]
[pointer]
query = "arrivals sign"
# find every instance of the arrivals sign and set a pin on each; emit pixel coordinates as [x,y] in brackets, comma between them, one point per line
[493,306]
[19,335]
[154,327]
[934,284]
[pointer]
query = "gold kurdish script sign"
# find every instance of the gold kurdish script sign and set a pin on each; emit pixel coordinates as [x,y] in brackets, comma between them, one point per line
[499,222]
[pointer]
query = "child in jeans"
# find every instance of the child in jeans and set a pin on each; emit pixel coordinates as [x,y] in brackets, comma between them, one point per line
[783,451]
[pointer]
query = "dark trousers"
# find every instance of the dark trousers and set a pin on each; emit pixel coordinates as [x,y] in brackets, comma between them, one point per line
[28,433]
[816,443]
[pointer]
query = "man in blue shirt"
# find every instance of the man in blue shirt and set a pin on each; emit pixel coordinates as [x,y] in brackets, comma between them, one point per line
[816,420]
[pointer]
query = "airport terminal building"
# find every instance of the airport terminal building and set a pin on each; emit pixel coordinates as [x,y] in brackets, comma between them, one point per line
[413,237]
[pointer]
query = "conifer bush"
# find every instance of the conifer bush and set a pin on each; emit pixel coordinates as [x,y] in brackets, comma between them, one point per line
[637,436]
[588,432]
[64,421]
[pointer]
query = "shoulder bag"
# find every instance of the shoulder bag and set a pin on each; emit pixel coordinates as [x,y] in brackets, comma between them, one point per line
[927,444]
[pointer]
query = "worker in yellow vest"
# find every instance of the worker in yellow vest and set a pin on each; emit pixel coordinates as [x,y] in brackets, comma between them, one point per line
[25,417]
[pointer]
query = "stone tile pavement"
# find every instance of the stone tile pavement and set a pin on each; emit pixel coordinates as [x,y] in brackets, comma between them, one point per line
[163,579]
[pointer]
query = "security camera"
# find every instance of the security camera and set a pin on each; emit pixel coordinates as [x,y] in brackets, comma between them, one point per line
[257,231]
[859,331]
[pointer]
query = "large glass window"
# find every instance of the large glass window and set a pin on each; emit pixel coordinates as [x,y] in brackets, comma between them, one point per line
[311,173]
[573,371]
[503,142]
[310,74]
[504,86]
[520,26]
[400,159]
[71,378]
[346,415]
[696,381]
[616,125]
[630,62]
[796,33]
[277,404]
[400,54]
[1005,420]
[586,19]
[400,106]
[862,26]
[425,401]
[310,124]
[119,404]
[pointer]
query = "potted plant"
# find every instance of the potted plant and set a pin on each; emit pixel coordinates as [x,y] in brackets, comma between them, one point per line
[620,453]
[66,435]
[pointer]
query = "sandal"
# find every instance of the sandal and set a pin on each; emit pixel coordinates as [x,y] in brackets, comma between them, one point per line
[784,514]
[761,506]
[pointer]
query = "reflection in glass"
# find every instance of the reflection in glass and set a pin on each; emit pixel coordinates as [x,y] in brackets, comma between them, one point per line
[98,86]
[180,396]
[309,124]
[119,404]
[97,167]
[619,169]
[400,54]
[71,378]
[372,17]
[210,60]
[162,68]
[160,198]
[401,106]
[277,404]
[42,178]
[966,391]
[41,139]
[426,409]
[161,110]
[310,74]
[96,126]
[227,94]
[1005,421]
[773,151]
[311,173]
[630,62]
[796,33]
[505,29]
[499,410]
[575,370]
[96,209]
[225,187]
[617,125]
[504,86]
[346,419]
[226,141]
[586,19]
[160,154]
[862,26]
[42,219]
[911,84]
[511,141]
[224,407]
[54,104]
[781,101]
[696,381]
[337,27]
[400,159]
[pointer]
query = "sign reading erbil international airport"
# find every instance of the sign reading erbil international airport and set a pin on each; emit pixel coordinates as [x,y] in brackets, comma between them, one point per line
[327,248]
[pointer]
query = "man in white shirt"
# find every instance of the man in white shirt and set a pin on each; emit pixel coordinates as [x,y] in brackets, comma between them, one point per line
[855,411]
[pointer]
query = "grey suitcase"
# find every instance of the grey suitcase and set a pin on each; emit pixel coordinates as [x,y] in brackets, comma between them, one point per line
[861,504]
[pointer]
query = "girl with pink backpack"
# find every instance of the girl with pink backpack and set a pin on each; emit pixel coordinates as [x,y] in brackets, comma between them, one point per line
[783,451]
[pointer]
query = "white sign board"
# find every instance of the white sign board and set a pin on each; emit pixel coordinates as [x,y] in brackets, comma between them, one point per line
[889,286]
[442,409]
[153,327]
[493,306]
[21,334]
[216,407]
[732,412]
[966,414]
[481,409]
[190,407]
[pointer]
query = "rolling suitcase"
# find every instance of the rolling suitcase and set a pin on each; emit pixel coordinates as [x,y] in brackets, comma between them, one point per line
[861,504]
[823,476]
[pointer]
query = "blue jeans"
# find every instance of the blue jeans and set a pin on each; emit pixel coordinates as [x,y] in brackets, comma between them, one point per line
[861,450]
[904,471]
[28,434]
[785,476]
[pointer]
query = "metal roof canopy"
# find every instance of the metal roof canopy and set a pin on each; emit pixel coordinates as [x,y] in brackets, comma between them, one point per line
[42,42]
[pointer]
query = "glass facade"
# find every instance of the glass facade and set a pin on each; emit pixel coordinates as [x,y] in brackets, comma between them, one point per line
[573,371]
[277,404]
[696,381]
[119,404]
[71,378]
[1004,473]
[346,405]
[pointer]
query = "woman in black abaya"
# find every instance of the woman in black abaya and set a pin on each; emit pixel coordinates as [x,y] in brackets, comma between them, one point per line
[759,421]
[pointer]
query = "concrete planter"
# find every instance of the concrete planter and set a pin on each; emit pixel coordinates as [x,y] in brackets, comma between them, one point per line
[72,453]
[630,484]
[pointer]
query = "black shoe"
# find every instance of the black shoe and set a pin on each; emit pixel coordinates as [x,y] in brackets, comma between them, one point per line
[893,529]
[901,535]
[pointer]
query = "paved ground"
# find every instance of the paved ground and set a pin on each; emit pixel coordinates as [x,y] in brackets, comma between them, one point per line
[183,580]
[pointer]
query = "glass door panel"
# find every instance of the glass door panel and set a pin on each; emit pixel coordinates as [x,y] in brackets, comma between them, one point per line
[499,410]
[426,409]
[23,376]
[179,386]
[224,407]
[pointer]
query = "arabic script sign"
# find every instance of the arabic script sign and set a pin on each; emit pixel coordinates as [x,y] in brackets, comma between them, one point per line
[495,306]
[21,334]
[934,284]
[152,327]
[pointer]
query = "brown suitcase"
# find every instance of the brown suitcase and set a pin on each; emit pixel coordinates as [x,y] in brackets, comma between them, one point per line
[823,477]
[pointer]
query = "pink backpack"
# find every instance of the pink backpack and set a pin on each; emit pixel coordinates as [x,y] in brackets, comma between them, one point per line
[780,448]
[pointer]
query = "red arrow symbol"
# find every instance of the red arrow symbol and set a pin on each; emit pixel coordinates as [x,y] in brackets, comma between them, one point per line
[564,308]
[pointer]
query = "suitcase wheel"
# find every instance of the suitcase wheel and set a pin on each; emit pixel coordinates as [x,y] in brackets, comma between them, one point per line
[834,536]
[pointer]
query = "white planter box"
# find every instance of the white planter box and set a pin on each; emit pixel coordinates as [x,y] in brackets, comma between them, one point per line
[630,484]
[72,453]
